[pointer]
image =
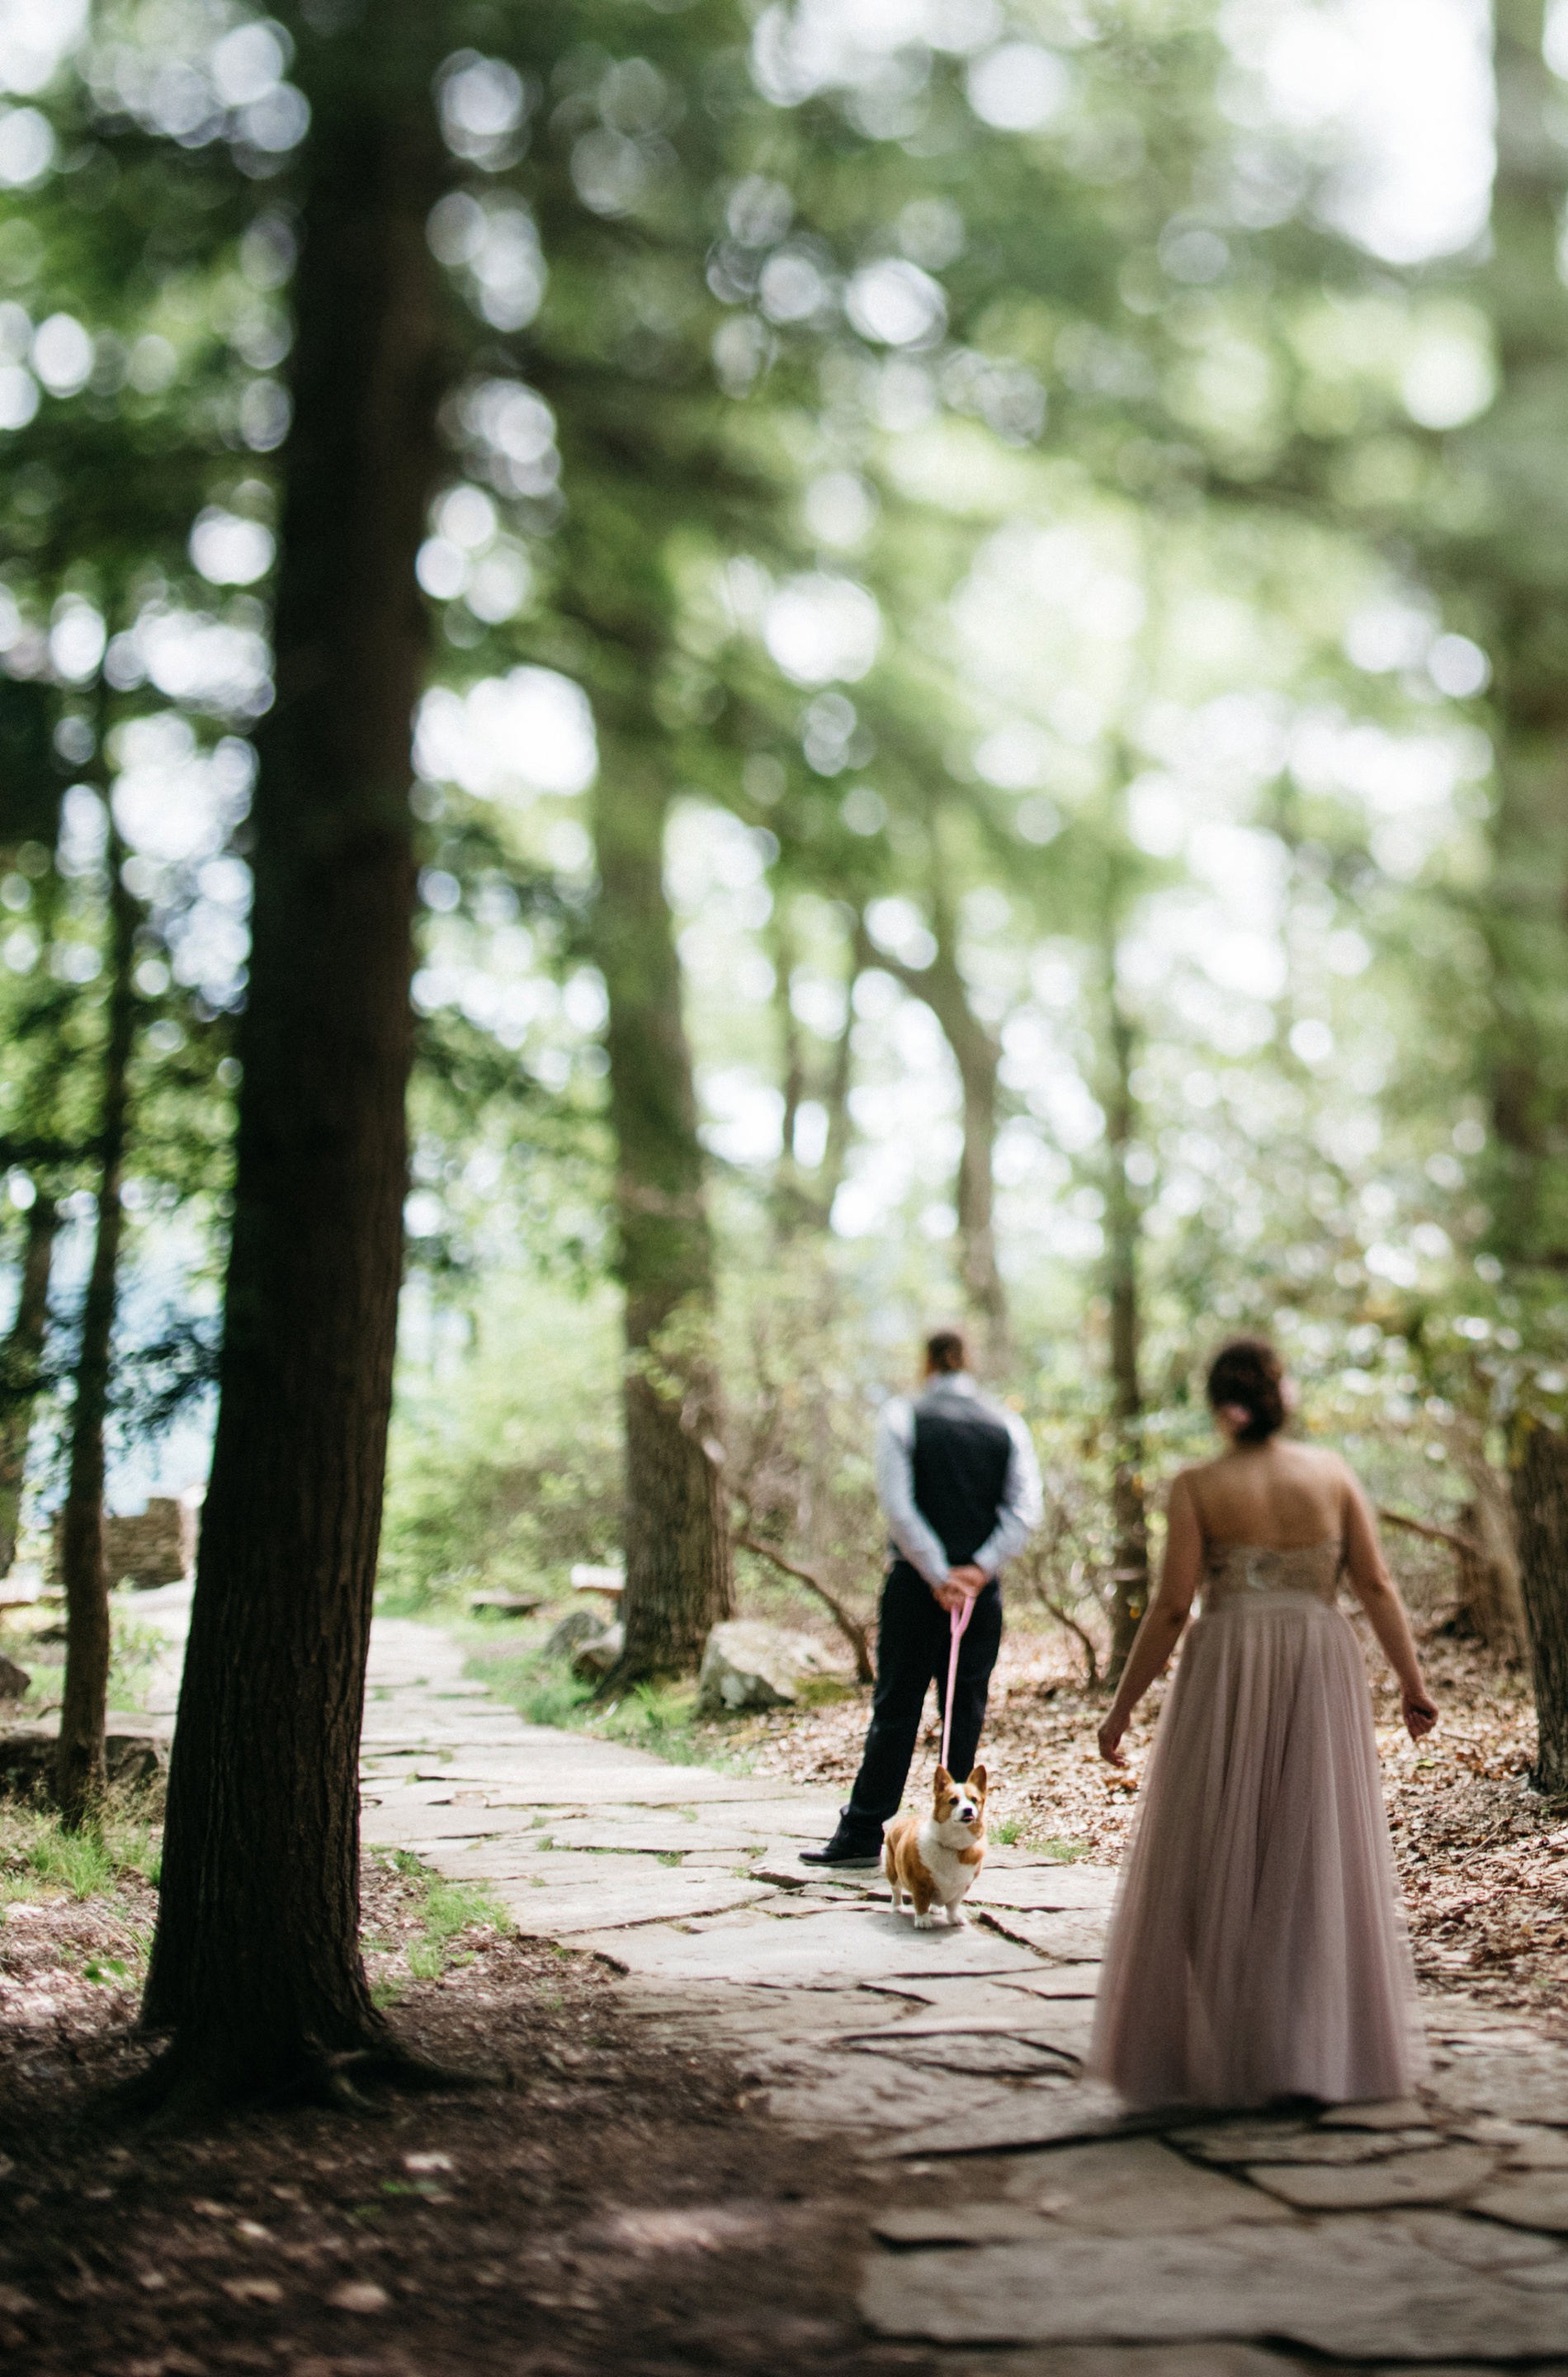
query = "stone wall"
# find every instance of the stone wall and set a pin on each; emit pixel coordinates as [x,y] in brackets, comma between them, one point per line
[152,1546]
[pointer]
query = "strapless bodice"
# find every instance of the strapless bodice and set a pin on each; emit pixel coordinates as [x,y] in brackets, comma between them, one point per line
[1249,1572]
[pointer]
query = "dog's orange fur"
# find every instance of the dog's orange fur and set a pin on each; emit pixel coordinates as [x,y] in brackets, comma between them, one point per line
[904,1865]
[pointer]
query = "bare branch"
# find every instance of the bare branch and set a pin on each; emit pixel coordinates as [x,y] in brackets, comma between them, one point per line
[850,1628]
[1065,1617]
[1463,1545]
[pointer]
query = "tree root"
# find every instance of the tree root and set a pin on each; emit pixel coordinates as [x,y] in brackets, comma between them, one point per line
[186,2086]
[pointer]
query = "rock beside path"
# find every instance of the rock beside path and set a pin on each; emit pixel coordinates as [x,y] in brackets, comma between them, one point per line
[28,1753]
[750,1666]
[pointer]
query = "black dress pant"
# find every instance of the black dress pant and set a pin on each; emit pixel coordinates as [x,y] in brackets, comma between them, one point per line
[913,1642]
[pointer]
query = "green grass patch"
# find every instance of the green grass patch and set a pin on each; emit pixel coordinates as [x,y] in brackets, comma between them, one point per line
[660,1717]
[449,1909]
[39,1858]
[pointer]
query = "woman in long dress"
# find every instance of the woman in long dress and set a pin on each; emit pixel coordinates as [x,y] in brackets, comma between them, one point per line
[1258,1949]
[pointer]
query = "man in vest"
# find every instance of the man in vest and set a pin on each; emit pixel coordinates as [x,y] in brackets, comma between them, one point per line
[960,1489]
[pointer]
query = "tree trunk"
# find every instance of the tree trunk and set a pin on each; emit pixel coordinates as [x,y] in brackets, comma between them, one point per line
[977,1054]
[840,1078]
[1129,1574]
[1490,1596]
[79,1777]
[21,1367]
[1514,574]
[1540,1508]
[257,1967]
[679,1566]
[792,1201]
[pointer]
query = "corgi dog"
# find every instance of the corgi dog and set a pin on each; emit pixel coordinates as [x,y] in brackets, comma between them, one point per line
[937,1856]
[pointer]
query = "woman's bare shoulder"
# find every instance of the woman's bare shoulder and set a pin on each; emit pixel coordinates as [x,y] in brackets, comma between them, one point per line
[1319,1462]
[1196,1474]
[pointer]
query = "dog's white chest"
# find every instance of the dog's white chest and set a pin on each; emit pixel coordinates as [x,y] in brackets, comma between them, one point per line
[952,1872]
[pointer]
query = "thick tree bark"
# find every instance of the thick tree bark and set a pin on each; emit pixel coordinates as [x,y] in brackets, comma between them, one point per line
[1129,1574]
[1514,570]
[1540,1506]
[21,1367]
[679,1566]
[256,1967]
[79,1777]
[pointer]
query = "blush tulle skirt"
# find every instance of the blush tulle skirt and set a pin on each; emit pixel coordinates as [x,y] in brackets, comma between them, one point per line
[1258,1947]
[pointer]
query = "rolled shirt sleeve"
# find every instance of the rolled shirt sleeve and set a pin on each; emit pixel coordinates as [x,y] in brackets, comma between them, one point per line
[1021,1506]
[894,1455]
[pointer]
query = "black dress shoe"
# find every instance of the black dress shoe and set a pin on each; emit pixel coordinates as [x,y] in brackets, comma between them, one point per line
[851,1845]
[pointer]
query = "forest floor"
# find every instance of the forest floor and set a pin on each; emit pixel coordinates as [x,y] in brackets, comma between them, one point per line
[599,2197]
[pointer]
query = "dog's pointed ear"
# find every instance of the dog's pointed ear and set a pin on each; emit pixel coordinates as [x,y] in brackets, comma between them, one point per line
[943,1779]
[976,1780]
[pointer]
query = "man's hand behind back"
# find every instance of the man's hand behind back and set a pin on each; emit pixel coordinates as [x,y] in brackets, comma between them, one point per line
[959,1585]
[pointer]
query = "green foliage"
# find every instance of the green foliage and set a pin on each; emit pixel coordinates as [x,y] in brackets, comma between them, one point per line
[504,1462]
[544,1691]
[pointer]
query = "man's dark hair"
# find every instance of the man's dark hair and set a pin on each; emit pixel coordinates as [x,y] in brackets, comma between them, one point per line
[946,1349]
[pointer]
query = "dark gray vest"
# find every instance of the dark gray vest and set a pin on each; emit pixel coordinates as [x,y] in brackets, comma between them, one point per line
[961,1452]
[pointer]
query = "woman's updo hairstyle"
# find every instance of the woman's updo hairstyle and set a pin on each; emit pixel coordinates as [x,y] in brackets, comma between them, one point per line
[1249,1373]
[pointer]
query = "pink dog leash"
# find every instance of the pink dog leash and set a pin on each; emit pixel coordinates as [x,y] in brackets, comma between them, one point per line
[958,1619]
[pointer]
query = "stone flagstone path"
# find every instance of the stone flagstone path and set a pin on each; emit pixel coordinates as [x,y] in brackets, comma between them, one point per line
[1022,2222]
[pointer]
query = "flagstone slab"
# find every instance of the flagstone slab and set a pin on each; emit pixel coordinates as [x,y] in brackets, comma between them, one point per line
[1057,1981]
[387,1824]
[819,1949]
[1261,2141]
[1484,2244]
[658,1895]
[658,1832]
[1071,1938]
[1045,1888]
[1356,2288]
[1122,2185]
[1395,2113]
[581,1786]
[1032,2117]
[985,2001]
[835,2093]
[1436,2175]
[1537,2200]
[966,2053]
[732,2013]
[1135,2361]
[1518,2082]
[930,2027]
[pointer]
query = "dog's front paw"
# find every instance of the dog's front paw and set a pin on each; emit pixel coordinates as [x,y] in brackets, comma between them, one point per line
[925,1923]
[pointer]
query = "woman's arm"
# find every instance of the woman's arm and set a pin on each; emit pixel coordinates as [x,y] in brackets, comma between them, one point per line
[1379,1596]
[1162,1620]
